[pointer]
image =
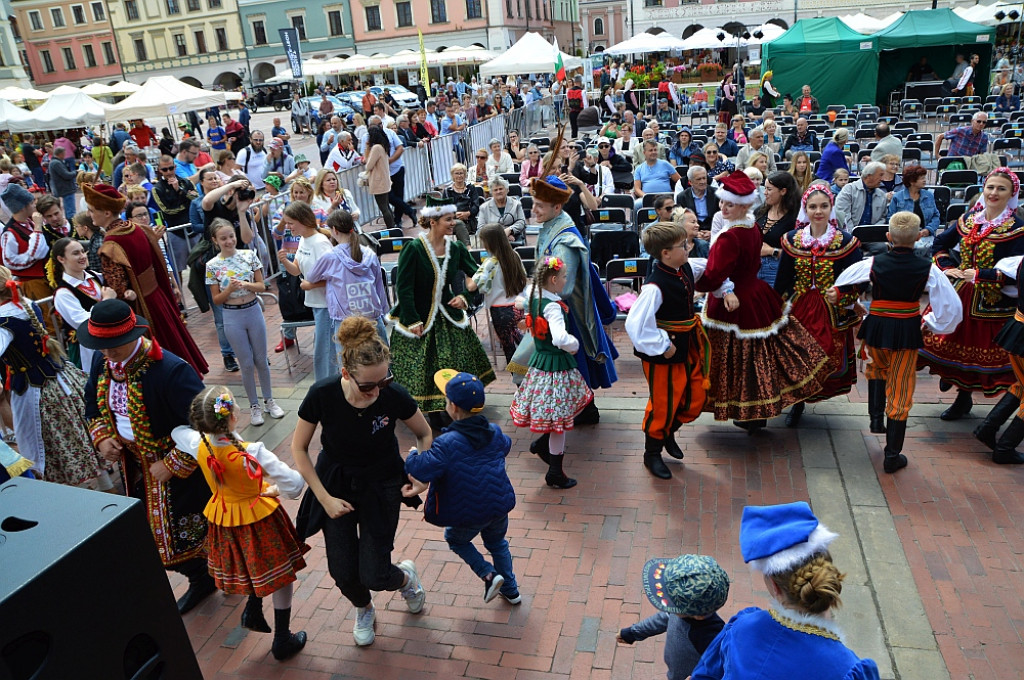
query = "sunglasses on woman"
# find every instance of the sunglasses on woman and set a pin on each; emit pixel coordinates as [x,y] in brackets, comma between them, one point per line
[367,388]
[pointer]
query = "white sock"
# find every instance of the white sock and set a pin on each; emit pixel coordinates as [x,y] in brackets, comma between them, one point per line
[556,443]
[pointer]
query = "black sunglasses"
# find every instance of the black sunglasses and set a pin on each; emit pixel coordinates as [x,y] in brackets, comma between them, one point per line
[367,388]
[170,169]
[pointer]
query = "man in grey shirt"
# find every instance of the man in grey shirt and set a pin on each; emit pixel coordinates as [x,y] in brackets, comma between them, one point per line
[887,143]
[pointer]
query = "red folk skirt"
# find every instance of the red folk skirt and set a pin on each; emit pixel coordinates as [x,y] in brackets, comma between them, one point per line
[812,312]
[257,558]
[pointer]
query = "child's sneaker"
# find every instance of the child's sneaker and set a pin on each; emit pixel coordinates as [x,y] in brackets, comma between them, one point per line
[512,598]
[271,407]
[366,619]
[492,584]
[412,592]
[256,415]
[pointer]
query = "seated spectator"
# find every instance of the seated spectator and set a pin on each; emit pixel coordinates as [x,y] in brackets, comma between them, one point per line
[467,199]
[726,147]
[664,114]
[622,169]
[719,167]
[498,161]
[969,140]
[891,177]
[756,144]
[680,152]
[833,156]
[505,210]
[885,143]
[738,133]
[913,197]
[803,139]
[653,176]
[800,168]
[698,198]
[755,109]
[771,134]
[478,174]
[597,177]
[626,141]
[863,202]
[531,166]
[839,180]
[1007,101]
[649,134]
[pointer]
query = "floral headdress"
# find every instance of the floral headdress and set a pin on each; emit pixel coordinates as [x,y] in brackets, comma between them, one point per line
[223,405]
[803,222]
[554,263]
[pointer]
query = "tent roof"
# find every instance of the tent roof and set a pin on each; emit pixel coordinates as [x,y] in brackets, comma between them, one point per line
[101,90]
[61,111]
[531,54]
[642,43]
[986,14]
[814,36]
[164,96]
[866,24]
[707,39]
[11,114]
[17,94]
[926,27]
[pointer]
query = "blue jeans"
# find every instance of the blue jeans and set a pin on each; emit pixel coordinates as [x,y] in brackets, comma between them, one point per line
[218,321]
[460,540]
[324,361]
[69,206]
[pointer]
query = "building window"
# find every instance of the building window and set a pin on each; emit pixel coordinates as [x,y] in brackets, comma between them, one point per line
[403,11]
[545,3]
[194,6]
[222,39]
[89,55]
[108,53]
[57,17]
[373,18]
[473,9]
[438,12]
[131,9]
[173,7]
[259,32]
[299,24]
[598,26]
[140,49]
[78,14]
[69,59]
[35,19]
[652,3]
[334,23]
[215,4]
[24,62]
[200,42]
[536,8]
[179,45]
[508,8]
[99,13]
[44,57]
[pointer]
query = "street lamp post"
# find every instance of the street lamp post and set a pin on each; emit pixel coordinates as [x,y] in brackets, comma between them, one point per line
[1018,17]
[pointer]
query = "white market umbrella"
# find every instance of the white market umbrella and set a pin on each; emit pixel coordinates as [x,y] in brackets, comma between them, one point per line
[769,32]
[531,54]
[357,63]
[707,39]
[460,55]
[986,14]
[406,59]
[643,43]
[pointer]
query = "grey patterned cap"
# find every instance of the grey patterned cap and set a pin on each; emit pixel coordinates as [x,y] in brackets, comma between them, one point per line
[688,585]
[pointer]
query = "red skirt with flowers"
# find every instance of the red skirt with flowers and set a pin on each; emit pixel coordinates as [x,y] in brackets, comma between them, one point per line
[258,558]
[811,310]
[547,401]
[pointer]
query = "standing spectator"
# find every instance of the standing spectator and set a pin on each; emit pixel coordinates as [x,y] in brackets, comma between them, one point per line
[91,237]
[32,159]
[237,136]
[23,245]
[142,134]
[185,161]
[343,154]
[331,136]
[173,196]
[195,123]
[278,161]
[252,160]
[62,180]
[833,156]
[727,102]
[88,164]
[118,138]
[369,100]
[378,180]
[103,157]
[886,143]
[55,224]
[244,115]
[277,131]
[453,124]
[329,195]
[969,140]
[300,112]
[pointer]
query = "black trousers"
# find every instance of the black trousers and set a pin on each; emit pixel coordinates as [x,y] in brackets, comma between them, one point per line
[397,197]
[573,125]
[193,569]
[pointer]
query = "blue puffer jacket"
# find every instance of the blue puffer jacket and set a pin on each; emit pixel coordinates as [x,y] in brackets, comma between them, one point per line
[466,470]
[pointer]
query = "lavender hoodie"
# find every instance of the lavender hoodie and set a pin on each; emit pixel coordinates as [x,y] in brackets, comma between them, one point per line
[352,287]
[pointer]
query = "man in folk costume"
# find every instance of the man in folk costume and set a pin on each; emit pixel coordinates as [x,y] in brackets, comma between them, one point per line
[135,268]
[136,395]
[589,306]
[24,245]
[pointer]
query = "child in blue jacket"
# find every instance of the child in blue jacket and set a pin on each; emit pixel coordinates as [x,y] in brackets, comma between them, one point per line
[470,492]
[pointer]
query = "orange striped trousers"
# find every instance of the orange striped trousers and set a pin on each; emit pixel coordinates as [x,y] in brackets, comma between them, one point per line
[676,394]
[1017,389]
[898,368]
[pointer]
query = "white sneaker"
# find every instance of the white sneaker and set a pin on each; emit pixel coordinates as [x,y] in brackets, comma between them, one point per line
[256,415]
[413,591]
[271,407]
[366,620]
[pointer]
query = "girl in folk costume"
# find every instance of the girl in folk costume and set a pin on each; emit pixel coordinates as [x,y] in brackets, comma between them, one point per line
[501,277]
[1011,339]
[768,92]
[432,330]
[969,358]
[762,359]
[253,547]
[47,396]
[135,268]
[76,290]
[553,392]
[813,256]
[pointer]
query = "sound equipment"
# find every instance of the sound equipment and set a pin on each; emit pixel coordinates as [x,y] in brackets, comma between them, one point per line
[83,594]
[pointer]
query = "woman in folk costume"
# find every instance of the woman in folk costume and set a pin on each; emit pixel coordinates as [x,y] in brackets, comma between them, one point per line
[76,290]
[969,357]
[135,268]
[768,92]
[813,256]
[432,330]
[762,359]
[47,396]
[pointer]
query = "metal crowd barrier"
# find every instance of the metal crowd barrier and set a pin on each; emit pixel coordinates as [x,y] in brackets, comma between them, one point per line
[482,133]
[417,171]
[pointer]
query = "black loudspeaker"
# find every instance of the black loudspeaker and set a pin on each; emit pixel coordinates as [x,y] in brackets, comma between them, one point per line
[83,594]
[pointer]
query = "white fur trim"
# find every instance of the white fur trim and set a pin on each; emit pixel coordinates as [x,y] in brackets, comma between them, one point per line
[785,560]
[437,210]
[806,618]
[724,194]
[774,329]
[440,272]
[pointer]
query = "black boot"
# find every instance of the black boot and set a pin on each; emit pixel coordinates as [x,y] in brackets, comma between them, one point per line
[894,434]
[959,408]
[539,447]
[876,405]
[588,416]
[796,411]
[252,616]
[653,460]
[555,477]
[1005,451]
[671,447]
[200,584]
[286,643]
[751,426]
[1000,413]
[945,386]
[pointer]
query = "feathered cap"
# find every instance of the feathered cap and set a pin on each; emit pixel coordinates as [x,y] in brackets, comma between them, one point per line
[437,205]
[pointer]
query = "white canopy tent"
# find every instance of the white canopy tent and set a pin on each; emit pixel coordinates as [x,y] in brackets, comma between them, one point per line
[531,54]
[643,43]
[769,32]
[62,111]
[64,89]
[707,39]
[123,88]
[456,55]
[986,14]
[22,94]
[11,115]
[164,96]
[867,24]
[357,63]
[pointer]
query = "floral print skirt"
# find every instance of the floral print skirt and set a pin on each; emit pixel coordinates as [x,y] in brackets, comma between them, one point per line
[548,401]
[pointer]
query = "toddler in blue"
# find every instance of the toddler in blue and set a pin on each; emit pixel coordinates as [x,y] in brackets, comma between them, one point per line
[470,493]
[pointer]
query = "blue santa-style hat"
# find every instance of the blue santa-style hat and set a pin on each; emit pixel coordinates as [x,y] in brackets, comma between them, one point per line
[776,538]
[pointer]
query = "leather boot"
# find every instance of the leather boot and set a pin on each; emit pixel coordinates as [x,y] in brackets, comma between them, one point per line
[1005,451]
[539,447]
[671,447]
[1000,413]
[653,460]
[200,584]
[894,435]
[252,616]
[555,477]
[286,643]
[959,408]
[796,411]
[876,405]
[751,426]
[590,415]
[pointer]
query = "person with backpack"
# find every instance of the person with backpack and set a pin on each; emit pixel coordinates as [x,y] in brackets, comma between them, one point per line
[577,102]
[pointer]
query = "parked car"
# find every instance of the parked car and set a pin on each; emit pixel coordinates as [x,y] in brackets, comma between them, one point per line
[403,96]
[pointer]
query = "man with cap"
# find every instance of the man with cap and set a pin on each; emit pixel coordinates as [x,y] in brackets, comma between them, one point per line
[279,162]
[465,465]
[589,307]
[23,243]
[134,267]
[687,592]
[137,394]
[797,637]
[664,114]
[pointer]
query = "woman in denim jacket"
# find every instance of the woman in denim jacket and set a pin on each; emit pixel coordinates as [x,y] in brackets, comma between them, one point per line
[913,197]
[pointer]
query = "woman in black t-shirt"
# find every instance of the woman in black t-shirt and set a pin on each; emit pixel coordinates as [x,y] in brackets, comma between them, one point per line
[775,218]
[359,484]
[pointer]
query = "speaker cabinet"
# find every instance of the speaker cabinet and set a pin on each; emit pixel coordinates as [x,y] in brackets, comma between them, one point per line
[82,592]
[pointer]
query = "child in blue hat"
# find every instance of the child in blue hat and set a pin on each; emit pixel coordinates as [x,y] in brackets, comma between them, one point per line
[470,493]
[692,588]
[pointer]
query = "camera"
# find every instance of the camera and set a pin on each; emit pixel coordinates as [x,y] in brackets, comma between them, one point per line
[245,194]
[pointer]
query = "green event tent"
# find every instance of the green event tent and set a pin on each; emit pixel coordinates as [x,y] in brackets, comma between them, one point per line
[838,63]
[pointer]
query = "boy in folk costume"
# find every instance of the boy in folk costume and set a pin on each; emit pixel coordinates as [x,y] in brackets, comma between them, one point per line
[892,330]
[669,339]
